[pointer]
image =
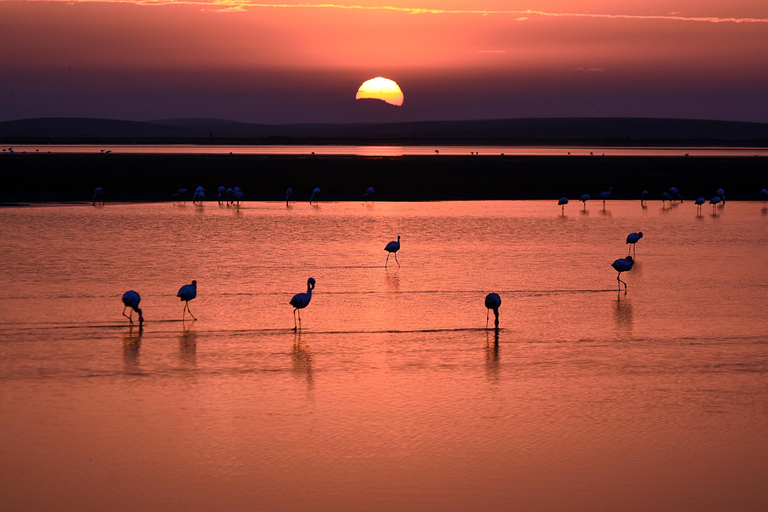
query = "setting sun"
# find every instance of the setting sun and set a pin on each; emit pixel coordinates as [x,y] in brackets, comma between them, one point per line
[381,89]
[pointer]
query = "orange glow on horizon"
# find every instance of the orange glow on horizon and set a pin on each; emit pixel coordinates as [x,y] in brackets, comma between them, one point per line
[381,88]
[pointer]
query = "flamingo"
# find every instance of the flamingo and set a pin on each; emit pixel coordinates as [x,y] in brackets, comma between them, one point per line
[764,193]
[229,193]
[632,239]
[562,202]
[605,194]
[131,300]
[222,193]
[237,195]
[97,196]
[720,192]
[714,202]
[392,247]
[665,197]
[314,193]
[369,192]
[700,201]
[643,195]
[673,192]
[301,300]
[622,265]
[198,195]
[288,196]
[180,195]
[584,198]
[492,302]
[187,293]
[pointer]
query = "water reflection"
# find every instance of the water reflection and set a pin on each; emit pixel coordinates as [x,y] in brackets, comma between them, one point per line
[188,346]
[131,346]
[393,280]
[623,316]
[492,355]
[301,358]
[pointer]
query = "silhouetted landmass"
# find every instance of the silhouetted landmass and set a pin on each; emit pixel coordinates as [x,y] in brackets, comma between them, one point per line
[606,131]
[155,177]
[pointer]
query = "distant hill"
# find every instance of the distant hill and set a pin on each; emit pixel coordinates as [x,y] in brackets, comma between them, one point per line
[498,131]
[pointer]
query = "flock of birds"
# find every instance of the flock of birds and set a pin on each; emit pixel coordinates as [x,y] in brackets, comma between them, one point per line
[188,292]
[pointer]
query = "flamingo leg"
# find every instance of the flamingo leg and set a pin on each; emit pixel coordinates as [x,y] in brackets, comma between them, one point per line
[126,316]
[190,312]
[496,321]
[398,263]
[487,316]
[295,326]
[387,261]
[299,318]
[618,278]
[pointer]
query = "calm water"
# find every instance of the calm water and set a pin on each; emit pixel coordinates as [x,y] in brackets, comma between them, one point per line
[393,396]
[391,150]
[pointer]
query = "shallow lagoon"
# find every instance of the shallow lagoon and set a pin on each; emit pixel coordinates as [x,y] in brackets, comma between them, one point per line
[393,395]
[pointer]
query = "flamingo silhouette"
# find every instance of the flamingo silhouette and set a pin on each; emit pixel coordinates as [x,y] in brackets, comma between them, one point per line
[187,293]
[622,265]
[97,196]
[764,193]
[665,196]
[720,192]
[181,195]
[198,195]
[131,300]
[222,193]
[301,300]
[369,192]
[288,196]
[584,198]
[714,202]
[605,194]
[237,196]
[392,247]
[700,201]
[562,202]
[632,239]
[643,195]
[675,194]
[492,302]
[314,193]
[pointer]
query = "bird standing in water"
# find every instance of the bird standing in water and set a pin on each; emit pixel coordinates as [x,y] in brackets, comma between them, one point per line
[187,293]
[301,300]
[562,202]
[131,300]
[314,193]
[98,196]
[492,302]
[622,265]
[392,247]
[605,194]
[584,198]
[632,239]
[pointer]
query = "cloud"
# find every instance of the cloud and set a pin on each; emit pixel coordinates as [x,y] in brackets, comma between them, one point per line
[240,5]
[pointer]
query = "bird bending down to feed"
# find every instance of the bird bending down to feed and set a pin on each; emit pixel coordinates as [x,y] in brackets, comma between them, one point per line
[131,300]
[369,193]
[764,194]
[492,302]
[675,194]
[392,247]
[237,196]
[97,196]
[605,194]
[664,198]
[181,195]
[562,202]
[622,265]
[720,192]
[314,193]
[187,293]
[198,195]
[301,300]
[584,198]
[222,194]
[632,239]
[288,196]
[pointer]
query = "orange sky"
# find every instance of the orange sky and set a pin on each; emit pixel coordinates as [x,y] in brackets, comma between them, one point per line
[260,62]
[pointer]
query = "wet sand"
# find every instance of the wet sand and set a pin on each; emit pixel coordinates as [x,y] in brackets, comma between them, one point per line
[152,177]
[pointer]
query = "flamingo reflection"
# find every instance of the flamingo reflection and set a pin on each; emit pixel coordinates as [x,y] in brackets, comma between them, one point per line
[188,347]
[492,355]
[131,346]
[301,358]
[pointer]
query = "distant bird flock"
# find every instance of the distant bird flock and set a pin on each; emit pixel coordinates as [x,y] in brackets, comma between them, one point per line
[234,196]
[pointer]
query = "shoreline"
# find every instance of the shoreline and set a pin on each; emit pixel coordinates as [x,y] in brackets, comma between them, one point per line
[63,177]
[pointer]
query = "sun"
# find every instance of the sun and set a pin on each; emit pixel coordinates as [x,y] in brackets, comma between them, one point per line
[381,88]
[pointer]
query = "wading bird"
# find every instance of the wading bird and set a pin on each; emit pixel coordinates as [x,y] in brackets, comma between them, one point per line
[301,300]
[764,194]
[288,196]
[181,195]
[198,195]
[237,196]
[131,300]
[584,198]
[720,192]
[622,265]
[392,247]
[314,193]
[369,193]
[664,198]
[97,196]
[700,201]
[492,302]
[562,202]
[643,195]
[605,194]
[714,202]
[632,239]
[675,194]
[222,194]
[187,293]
